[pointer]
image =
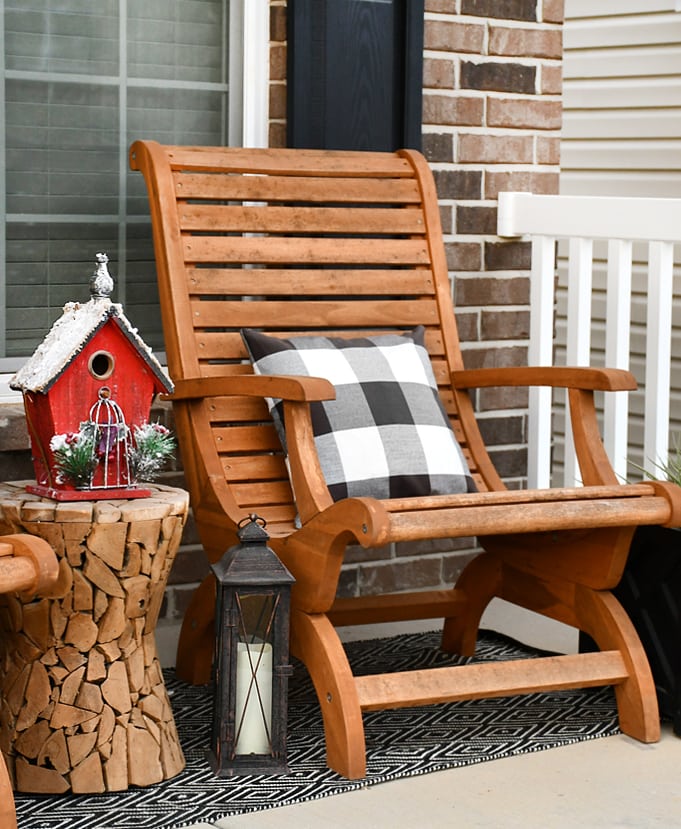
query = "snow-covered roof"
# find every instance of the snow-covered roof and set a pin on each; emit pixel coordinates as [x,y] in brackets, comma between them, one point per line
[69,335]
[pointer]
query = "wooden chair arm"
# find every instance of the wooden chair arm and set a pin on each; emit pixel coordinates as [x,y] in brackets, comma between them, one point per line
[253,385]
[581,382]
[575,377]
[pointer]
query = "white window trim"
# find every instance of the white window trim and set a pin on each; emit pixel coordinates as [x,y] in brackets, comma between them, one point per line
[249,73]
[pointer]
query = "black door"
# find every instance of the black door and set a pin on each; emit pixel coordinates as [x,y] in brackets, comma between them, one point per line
[355,74]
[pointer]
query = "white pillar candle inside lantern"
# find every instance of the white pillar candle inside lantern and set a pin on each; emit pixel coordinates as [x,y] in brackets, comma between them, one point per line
[253,698]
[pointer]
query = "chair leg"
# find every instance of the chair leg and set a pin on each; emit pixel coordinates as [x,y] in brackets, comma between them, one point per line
[196,645]
[479,584]
[315,642]
[8,816]
[603,618]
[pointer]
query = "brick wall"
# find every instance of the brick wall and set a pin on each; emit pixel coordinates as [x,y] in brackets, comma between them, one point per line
[491,122]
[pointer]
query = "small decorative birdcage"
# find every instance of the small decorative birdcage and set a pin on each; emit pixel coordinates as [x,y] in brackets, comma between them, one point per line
[84,450]
[110,443]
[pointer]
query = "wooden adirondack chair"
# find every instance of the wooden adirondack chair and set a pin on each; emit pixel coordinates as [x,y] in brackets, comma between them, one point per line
[27,563]
[294,242]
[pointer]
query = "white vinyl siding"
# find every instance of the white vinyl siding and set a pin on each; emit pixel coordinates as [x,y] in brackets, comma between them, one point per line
[622,137]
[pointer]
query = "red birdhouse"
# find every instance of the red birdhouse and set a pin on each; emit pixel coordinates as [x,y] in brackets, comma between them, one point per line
[88,390]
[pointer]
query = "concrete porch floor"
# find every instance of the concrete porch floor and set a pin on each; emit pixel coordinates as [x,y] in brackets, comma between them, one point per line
[610,783]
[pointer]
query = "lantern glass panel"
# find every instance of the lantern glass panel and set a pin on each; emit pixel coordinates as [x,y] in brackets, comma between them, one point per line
[253,723]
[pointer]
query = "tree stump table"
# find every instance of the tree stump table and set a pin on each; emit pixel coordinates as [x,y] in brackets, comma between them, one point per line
[83,705]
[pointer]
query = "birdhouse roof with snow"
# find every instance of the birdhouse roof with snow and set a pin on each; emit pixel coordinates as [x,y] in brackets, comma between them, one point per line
[73,332]
[70,334]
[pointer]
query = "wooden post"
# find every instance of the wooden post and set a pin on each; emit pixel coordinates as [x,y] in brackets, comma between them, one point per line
[83,705]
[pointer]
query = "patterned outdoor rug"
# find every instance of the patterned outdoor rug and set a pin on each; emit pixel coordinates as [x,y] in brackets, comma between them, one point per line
[400,743]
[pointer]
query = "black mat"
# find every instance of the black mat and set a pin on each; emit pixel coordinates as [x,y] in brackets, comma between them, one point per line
[400,743]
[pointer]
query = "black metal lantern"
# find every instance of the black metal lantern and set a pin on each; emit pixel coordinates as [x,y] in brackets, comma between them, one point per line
[251,666]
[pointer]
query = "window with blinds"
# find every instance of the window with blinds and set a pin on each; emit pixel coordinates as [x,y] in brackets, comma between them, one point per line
[82,80]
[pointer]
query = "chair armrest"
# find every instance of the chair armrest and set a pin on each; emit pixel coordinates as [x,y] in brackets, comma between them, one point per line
[602,379]
[581,382]
[297,392]
[253,385]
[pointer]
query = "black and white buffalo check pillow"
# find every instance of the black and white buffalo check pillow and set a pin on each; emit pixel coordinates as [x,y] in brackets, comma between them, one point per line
[386,435]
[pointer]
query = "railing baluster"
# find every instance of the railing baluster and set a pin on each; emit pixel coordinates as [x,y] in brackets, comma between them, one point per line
[578,353]
[540,353]
[658,354]
[617,347]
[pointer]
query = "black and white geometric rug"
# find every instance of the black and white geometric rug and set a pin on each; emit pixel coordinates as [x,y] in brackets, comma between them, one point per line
[400,743]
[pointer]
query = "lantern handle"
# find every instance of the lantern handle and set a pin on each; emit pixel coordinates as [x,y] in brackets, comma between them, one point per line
[254,519]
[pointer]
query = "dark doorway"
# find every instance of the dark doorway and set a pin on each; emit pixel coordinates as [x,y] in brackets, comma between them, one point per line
[355,74]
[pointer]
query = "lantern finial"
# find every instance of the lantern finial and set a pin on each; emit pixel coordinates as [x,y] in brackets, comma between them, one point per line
[101,283]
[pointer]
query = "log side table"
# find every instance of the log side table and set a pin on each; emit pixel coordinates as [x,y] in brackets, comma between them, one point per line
[83,705]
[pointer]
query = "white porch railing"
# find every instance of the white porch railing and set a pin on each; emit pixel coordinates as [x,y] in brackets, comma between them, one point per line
[580,221]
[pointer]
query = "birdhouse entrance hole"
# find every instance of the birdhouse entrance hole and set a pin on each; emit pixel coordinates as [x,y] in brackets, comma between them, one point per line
[101,365]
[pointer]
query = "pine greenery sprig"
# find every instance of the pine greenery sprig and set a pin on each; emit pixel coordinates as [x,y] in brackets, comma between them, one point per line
[74,456]
[669,470]
[153,446]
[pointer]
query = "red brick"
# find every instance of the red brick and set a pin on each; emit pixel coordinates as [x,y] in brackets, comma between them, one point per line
[524,113]
[509,9]
[277,62]
[467,324]
[446,218]
[490,291]
[458,184]
[498,76]
[538,43]
[463,256]
[491,149]
[502,430]
[454,110]
[438,146]
[553,11]
[443,36]
[277,101]
[441,6]
[493,400]
[491,357]
[277,134]
[471,219]
[507,256]
[523,180]
[510,463]
[278,23]
[551,79]
[504,325]
[438,74]
[548,150]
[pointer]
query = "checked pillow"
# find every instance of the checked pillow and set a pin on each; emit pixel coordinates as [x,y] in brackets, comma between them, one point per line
[386,435]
